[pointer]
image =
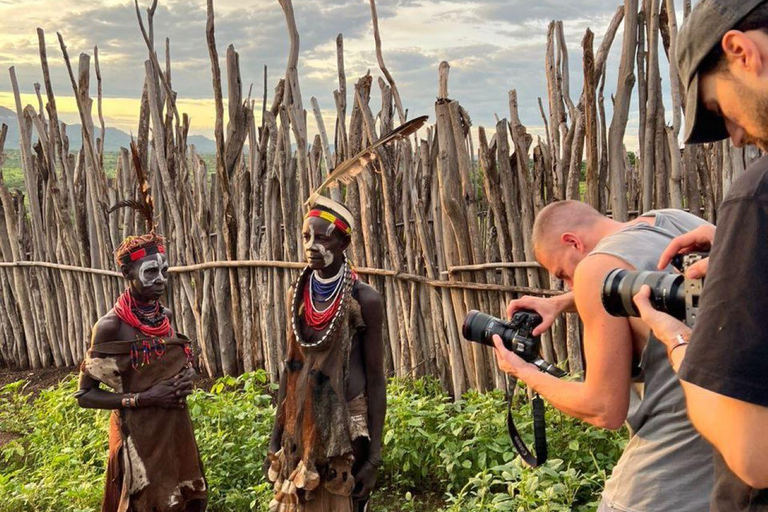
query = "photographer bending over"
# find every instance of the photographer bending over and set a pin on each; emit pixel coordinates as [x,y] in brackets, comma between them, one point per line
[666,464]
[723,58]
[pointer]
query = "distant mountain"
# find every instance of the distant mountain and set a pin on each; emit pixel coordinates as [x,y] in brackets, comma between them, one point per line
[115,139]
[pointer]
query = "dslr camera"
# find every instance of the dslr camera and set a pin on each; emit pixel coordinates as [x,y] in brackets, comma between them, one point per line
[673,294]
[517,335]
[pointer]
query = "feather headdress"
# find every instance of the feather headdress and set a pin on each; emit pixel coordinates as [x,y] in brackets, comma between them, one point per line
[349,169]
[145,205]
[137,247]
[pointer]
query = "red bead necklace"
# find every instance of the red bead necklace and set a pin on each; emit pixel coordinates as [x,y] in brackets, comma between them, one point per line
[125,308]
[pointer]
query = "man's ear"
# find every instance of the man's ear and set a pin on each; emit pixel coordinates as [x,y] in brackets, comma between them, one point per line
[126,270]
[572,240]
[742,53]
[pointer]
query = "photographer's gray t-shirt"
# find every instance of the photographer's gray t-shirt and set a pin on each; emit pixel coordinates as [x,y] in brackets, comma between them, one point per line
[667,465]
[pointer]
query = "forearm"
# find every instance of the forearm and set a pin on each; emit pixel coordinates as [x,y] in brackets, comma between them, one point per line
[377,410]
[97,398]
[735,428]
[566,303]
[575,399]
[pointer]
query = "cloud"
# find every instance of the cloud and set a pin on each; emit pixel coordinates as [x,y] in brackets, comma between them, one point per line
[492,45]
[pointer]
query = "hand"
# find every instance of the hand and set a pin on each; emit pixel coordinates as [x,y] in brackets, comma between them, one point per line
[548,309]
[698,269]
[665,327]
[509,362]
[170,393]
[186,377]
[365,481]
[700,239]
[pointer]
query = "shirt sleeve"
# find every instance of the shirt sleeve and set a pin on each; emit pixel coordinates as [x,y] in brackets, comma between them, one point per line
[728,353]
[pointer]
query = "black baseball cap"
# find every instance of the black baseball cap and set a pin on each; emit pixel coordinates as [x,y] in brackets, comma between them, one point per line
[703,30]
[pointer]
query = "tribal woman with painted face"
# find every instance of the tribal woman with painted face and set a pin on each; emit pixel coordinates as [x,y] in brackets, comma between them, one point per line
[326,445]
[153,462]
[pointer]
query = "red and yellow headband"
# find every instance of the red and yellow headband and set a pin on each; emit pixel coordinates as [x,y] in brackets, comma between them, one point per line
[333,219]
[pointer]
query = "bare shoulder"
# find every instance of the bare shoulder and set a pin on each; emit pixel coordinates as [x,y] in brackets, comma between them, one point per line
[168,313]
[593,269]
[588,281]
[107,327]
[368,296]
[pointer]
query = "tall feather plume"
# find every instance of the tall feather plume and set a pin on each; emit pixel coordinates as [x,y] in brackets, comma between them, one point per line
[145,205]
[349,169]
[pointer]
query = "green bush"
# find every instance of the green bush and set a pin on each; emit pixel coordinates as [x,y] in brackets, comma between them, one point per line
[438,454]
[462,449]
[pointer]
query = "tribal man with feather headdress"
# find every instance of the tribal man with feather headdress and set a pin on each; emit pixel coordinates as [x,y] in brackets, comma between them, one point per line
[326,444]
[153,462]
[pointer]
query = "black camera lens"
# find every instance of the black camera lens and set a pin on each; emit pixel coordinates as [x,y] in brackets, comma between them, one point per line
[479,327]
[621,285]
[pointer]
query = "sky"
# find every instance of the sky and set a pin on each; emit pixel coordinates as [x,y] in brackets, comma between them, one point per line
[492,46]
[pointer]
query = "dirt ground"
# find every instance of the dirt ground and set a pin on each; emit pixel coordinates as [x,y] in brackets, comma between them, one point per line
[37,379]
[43,379]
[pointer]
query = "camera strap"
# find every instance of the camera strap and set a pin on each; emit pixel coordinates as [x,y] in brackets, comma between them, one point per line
[539,433]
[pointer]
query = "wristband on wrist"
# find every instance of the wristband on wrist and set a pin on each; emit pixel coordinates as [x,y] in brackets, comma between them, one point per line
[376,462]
[681,340]
[129,402]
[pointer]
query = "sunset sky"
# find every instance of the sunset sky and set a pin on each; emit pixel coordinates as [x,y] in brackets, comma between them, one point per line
[492,46]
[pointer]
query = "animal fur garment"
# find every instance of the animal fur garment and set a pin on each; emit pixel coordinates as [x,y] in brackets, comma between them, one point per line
[153,458]
[312,472]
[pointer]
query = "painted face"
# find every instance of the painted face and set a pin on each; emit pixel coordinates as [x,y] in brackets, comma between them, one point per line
[149,276]
[323,243]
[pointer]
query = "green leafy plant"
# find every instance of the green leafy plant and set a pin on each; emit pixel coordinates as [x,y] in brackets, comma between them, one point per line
[439,454]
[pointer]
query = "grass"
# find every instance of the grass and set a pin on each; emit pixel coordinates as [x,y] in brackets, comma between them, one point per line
[439,455]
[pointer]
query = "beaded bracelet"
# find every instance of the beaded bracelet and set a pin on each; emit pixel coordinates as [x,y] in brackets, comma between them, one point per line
[131,401]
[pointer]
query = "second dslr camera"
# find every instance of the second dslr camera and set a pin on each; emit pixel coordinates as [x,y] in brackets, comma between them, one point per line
[673,294]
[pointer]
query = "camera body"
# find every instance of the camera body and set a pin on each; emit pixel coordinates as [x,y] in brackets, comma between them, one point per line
[673,294]
[516,334]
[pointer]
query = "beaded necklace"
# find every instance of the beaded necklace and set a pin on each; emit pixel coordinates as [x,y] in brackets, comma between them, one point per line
[327,319]
[325,290]
[147,318]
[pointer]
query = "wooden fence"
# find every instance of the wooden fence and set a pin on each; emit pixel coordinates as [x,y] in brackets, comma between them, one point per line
[444,227]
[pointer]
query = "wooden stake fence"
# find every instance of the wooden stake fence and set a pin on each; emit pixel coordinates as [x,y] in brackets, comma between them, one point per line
[444,227]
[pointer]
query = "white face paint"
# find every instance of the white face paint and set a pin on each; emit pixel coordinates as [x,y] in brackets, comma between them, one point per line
[311,245]
[151,271]
[326,254]
[311,240]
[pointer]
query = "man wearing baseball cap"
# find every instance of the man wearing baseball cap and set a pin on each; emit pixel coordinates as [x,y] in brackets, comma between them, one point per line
[723,61]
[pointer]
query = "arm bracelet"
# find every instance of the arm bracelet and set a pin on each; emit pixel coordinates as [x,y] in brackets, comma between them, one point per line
[681,340]
[129,402]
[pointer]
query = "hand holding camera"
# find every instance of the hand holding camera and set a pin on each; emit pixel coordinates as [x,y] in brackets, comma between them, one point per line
[548,310]
[516,336]
[698,240]
[661,299]
[515,344]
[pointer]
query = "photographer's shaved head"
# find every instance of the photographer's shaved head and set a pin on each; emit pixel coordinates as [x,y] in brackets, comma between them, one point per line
[559,218]
[564,233]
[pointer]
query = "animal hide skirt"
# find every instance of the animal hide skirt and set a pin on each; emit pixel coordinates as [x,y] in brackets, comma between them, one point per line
[153,463]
